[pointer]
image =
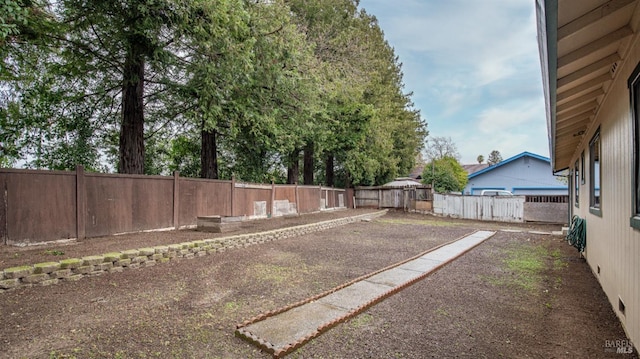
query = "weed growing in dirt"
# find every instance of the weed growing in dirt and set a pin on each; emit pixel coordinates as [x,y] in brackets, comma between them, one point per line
[360,320]
[53,252]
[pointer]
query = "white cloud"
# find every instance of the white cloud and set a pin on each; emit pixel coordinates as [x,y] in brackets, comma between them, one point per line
[473,67]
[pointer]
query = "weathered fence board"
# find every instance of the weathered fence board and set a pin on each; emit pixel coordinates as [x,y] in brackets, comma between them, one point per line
[485,208]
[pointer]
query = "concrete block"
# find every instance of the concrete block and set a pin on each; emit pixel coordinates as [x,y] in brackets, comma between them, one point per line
[46,267]
[123,262]
[35,278]
[103,266]
[18,272]
[130,253]
[83,270]
[70,263]
[161,249]
[156,256]
[61,273]
[92,260]
[217,224]
[47,282]
[146,251]
[9,283]
[139,259]
[112,257]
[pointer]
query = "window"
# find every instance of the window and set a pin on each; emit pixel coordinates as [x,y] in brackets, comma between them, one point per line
[594,174]
[576,185]
[634,89]
[582,166]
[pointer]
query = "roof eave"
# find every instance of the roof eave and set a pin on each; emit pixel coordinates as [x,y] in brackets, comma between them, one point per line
[547,17]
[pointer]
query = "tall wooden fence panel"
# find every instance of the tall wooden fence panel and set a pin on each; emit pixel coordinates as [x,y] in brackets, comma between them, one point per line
[39,206]
[252,200]
[308,199]
[198,197]
[118,204]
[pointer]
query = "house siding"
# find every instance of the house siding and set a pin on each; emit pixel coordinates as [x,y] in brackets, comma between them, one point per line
[612,244]
[523,176]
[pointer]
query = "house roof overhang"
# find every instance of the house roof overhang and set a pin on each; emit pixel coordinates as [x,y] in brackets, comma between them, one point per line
[581,43]
[507,161]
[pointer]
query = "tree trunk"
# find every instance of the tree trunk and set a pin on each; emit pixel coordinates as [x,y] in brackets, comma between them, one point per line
[308,164]
[329,171]
[132,127]
[293,170]
[209,154]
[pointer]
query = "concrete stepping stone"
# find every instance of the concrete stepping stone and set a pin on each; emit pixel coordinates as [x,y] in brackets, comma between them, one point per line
[282,331]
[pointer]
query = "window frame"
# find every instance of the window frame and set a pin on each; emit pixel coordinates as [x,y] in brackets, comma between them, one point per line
[582,166]
[595,202]
[634,93]
[576,185]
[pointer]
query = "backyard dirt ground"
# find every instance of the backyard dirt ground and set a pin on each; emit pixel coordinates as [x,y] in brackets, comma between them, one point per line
[517,295]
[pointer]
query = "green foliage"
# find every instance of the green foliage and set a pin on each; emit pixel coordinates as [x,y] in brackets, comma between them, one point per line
[92,82]
[494,158]
[446,174]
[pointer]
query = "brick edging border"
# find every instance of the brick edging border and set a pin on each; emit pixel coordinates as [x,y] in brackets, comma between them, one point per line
[73,269]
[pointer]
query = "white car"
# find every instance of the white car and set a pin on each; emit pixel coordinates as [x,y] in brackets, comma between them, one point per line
[495,192]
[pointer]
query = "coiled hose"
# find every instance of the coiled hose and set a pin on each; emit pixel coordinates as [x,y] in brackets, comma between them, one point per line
[577,235]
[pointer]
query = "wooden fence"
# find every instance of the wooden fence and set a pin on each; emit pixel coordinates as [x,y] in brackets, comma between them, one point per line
[407,198]
[552,209]
[39,206]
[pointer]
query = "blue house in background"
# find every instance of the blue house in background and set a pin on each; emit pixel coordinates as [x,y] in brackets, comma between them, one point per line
[523,174]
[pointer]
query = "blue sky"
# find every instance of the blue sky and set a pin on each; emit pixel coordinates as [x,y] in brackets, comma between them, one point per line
[474,70]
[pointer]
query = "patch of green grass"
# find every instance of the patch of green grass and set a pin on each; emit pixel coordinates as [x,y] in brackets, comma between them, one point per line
[231,306]
[523,266]
[361,320]
[275,273]
[526,264]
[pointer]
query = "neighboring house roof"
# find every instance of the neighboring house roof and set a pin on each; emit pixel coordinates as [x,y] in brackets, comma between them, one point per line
[475,167]
[509,160]
[403,182]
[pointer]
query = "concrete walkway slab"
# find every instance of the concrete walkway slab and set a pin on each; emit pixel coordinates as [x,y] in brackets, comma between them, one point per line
[394,277]
[353,296]
[422,265]
[284,330]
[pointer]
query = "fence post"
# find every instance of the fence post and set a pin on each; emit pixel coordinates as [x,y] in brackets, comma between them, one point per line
[273,199]
[233,194]
[176,199]
[296,198]
[81,203]
[4,212]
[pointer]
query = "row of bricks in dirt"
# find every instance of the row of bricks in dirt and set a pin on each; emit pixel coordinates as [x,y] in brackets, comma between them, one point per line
[48,273]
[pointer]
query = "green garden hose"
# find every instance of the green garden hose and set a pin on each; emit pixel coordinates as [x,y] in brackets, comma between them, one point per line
[577,235]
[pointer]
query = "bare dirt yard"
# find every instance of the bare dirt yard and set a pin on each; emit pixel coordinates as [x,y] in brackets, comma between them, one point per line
[517,295]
